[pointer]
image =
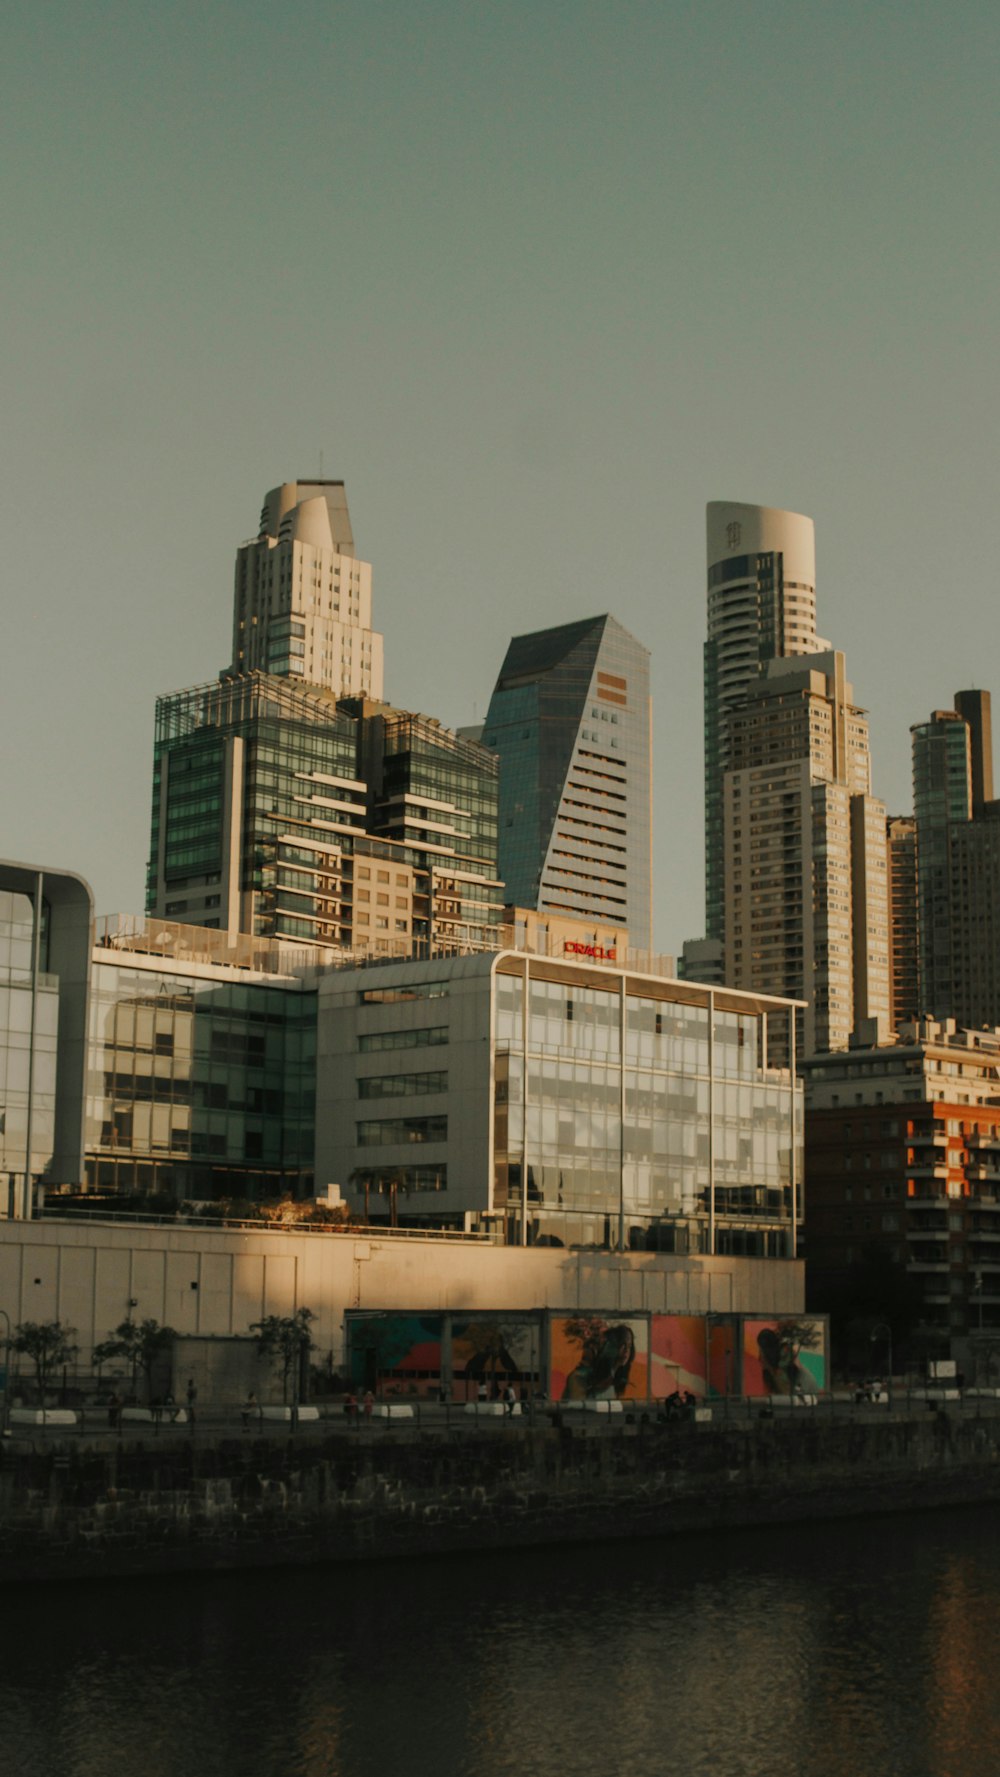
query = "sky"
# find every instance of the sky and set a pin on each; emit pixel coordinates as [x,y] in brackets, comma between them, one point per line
[537,279]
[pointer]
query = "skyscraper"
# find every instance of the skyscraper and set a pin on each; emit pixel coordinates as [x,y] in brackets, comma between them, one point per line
[804,851]
[570,721]
[290,801]
[942,797]
[282,811]
[761,607]
[958,862]
[302,601]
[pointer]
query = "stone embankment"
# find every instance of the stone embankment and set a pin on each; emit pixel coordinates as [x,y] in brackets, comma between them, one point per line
[78,1508]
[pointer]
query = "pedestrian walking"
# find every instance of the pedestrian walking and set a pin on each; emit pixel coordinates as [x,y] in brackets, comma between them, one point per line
[190,1395]
[510,1400]
[369,1403]
[250,1410]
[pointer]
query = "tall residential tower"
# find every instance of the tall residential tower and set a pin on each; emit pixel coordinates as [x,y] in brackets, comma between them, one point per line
[761,607]
[795,860]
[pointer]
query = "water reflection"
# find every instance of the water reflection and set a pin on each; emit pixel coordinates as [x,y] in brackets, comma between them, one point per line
[814,1652]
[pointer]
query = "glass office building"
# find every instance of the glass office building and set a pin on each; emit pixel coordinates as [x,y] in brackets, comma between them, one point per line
[201,1079]
[571,1104]
[285,813]
[570,721]
[45,935]
[29,1036]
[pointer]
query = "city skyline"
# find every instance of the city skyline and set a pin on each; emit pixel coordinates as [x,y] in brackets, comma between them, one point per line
[525,297]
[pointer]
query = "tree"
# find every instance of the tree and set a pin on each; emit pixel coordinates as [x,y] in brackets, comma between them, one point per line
[388,1181]
[141,1344]
[286,1340]
[49,1344]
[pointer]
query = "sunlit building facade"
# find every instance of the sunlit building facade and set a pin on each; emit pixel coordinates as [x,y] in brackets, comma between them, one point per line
[302,601]
[283,812]
[571,1104]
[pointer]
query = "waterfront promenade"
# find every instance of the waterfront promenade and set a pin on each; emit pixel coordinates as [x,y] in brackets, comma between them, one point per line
[396,1416]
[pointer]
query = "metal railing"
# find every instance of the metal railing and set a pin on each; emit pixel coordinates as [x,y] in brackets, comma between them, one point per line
[350,1231]
[226,1419]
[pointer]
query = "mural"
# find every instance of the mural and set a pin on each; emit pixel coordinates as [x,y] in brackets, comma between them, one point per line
[598,1359]
[487,1353]
[677,1354]
[784,1357]
[693,1353]
[395,1353]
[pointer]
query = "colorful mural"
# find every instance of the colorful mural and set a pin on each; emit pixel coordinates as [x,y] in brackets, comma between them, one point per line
[488,1352]
[677,1354]
[784,1357]
[593,1358]
[693,1353]
[395,1353]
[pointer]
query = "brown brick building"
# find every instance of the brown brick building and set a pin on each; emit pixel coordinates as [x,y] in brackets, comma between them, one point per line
[902,1146]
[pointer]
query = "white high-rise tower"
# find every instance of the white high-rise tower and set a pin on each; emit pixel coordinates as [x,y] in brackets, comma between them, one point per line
[302,603]
[761,607]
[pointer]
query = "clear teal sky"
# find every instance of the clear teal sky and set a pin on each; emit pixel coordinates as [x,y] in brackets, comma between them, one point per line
[538,280]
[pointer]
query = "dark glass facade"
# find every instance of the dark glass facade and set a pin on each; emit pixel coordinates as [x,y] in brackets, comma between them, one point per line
[198,1088]
[569,719]
[265,794]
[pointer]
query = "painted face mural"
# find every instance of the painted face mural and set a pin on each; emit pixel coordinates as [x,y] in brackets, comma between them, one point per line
[594,1359]
[784,1357]
[487,1354]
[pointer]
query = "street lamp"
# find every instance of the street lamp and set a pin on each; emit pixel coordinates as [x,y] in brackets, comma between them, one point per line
[882,1326]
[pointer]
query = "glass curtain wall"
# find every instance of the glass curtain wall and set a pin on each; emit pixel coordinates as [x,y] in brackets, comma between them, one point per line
[198,1091]
[25,1069]
[607,1158]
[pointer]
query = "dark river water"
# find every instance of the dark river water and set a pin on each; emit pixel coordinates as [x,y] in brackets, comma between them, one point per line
[838,1650]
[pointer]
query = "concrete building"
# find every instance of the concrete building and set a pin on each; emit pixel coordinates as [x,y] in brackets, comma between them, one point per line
[804,850]
[211,1283]
[761,607]
[302,602]
[903,1159]
[490,1091]
[570,722]
[284,812]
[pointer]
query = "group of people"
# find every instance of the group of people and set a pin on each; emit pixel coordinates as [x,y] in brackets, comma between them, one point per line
[351,1404]
[679,1405]
[158,1406]
[505,1393]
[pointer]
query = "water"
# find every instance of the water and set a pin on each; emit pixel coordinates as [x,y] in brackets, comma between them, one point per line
[842,1650]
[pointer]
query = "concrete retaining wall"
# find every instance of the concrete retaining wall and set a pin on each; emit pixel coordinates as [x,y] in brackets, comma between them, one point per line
[97,1508]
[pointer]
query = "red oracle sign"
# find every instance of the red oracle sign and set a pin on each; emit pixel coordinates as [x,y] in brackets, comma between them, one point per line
[597,951]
